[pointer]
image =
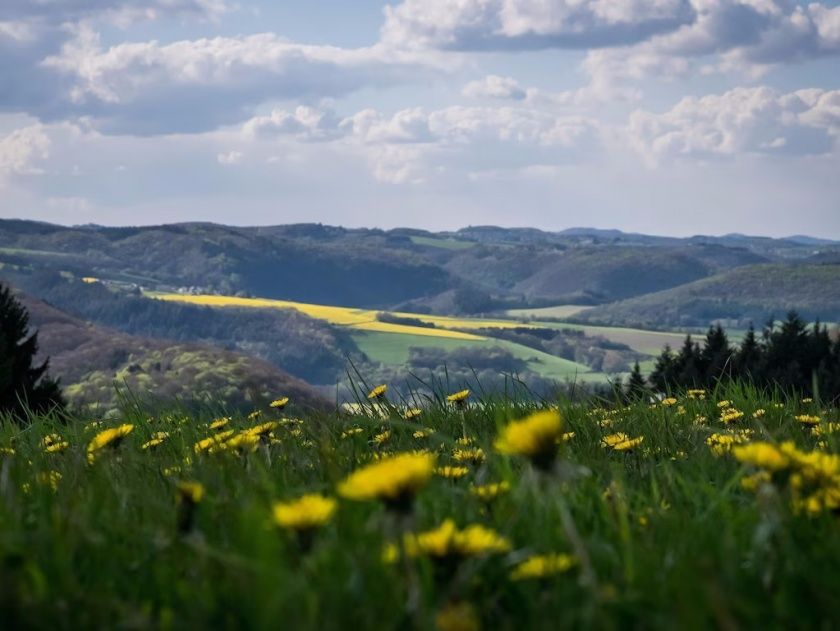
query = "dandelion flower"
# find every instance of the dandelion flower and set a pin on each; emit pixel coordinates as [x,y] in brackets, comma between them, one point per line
[378,392]
[279,404]
[305,513]
[762,455]
[457,617]
[459,398]
[261,430]
[352,431]
[206,444]
[453,473]
[474,455]
[808,419]
[107,438]
[542,566]
[447,541]
[219,423]
[382,438]
[411,413]
[669,402]
[394,479]
[489,492]
[157,439]
[621,442]
[189,492]
[534,437]
[53,444]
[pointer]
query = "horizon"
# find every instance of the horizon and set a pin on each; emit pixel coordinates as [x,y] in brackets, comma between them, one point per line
[430,230]
[673,117]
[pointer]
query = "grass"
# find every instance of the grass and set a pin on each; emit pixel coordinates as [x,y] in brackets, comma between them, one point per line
[391,349]
[559,311]
[446,244]
[664,536]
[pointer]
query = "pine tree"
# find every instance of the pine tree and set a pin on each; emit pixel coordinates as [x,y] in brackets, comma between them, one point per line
[636,385]
[663,376]
[716,356]
[748,357]
[23,386]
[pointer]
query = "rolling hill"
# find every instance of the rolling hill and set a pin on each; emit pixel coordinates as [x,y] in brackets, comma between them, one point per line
[90,359]
[747,294]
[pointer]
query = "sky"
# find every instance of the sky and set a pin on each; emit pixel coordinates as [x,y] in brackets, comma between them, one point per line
[670,117]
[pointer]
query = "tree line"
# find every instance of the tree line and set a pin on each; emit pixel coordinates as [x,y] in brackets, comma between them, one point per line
[794,356]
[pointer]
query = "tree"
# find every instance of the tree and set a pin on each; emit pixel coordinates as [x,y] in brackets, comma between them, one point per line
[748,356]
[716,356]
[636,384]
[23,386]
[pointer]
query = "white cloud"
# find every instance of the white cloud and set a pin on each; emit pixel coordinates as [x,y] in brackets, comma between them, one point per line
[22,149]
[198,85]
[530,24]
[305,123]
[741,121]
[494,87]
[231,157]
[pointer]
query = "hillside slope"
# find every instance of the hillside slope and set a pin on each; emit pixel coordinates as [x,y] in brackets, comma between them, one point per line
[743,295]
[89,359]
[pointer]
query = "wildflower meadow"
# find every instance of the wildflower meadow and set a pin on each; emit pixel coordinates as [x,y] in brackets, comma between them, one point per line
[457,511]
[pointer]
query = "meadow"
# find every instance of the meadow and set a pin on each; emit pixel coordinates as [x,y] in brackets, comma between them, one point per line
[707,509]
[390,343]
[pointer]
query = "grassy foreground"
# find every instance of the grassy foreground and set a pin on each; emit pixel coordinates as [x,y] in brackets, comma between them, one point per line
[653,533]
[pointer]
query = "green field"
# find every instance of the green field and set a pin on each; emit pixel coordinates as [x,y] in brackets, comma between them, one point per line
[647,342]
[393,349]
[657,532]
[446,244]
[559,311]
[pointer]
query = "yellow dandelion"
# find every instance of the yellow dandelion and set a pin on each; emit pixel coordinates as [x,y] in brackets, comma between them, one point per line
[542,566]
[305,513]
[759,413]
[474,455]
[447,541]
[157,439]
[465,441]
[459,398]
[696,394]
[279,404]
[109,438]
[261,430]
[754,481]
[378,392]
[566,437]
[489,492]
[212,441]
[453,473]
[422,433]
[670,401]
[242,443]
[411,413]
[724,404]
[459,616]
[7,451]
[220,423]
[808,419]
[189,492]
[53,444]
[762,455]
[721,444]
[533,437]
[730,415]
[621,442]
[352,431]
[394,479]
[382,438]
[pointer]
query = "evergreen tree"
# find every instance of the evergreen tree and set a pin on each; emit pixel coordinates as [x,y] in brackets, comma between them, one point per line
[716,356]
[663,376]
[636,385]
[689,366]
[23,386]
[747,361]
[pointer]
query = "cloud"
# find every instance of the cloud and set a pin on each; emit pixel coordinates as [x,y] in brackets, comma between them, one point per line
[741,121]
[21,150]
[743,36]
[198,85]
[531,24]
[231,157]
[305,123]
[494,87]
[75,10]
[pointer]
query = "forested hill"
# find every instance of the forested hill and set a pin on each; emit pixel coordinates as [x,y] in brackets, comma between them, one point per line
[89,359]
[473,270]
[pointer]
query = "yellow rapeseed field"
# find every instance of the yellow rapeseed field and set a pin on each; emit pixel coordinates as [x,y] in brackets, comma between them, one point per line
[359,319]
